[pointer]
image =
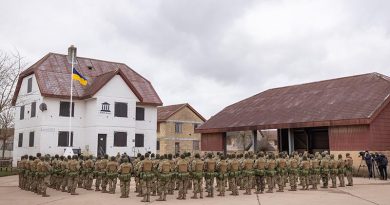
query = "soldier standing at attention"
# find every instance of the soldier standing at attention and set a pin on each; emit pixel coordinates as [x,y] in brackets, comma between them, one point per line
[98,174]
[155,161]
[348,170]
[171,183]
[39,175]
[164,175]
[81,172]
[136,173]
[45,174]
[281,170]
[103,173]
[112,174]
[28,173]
[305,168]
[325,171]
[197,175]
[210,165]
[146,176]
[247,173]
[293,167]
[54,176]
[88,173]
[222,166]
[315,171]
[233,169]
[271,172]
[56,166]
[124,171]
[333,170]
[182,169]
[20,165]
[35,177]
[65,171]
[74,168]
[341,170]
[259,168]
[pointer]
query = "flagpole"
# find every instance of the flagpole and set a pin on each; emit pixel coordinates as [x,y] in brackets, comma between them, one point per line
[71,101]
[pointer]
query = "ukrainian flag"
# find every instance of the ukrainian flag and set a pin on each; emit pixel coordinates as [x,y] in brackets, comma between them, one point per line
[77,76]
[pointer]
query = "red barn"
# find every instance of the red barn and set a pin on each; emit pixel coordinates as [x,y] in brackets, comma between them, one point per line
[347,114]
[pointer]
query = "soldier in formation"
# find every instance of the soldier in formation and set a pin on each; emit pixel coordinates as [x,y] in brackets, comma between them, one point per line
[162,175]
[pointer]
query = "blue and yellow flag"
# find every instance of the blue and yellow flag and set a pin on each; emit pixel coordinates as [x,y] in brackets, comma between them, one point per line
[77,76]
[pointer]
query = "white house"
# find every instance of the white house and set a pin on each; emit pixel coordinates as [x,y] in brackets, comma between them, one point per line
[115,112]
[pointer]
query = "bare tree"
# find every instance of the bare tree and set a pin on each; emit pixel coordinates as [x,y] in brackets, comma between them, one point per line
[10,66]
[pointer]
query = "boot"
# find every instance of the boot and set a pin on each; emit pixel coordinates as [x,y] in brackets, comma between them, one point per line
[160,199]
[195,196]
[201,195]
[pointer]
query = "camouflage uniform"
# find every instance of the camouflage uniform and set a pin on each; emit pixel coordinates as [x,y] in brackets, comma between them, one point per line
[112,174]
[35,177]
[282,172]
[325,172]
[234,172]
[124,171]
[74,168]
[88,173]
[222,167]
[64,172]
[333,170]
[81,173]
[146,177]
[341,170]
[21,171]
[210,165]
[164,175]
[348,169]
[45,174]
[314,172]
[98,175]
[103,173]
[247,174]
[197,166]
[182,176]
[271,172]
[293,167]
[305,169]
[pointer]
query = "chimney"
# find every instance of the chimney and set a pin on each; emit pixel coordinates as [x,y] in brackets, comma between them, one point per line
[72,50]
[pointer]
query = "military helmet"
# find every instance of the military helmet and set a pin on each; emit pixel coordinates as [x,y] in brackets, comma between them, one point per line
[125,159]
[113,158]
[197,155]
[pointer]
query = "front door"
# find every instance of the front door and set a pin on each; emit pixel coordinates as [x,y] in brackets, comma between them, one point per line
[177,147]
[102,142]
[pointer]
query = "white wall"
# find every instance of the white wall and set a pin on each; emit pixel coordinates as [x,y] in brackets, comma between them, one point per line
[87,123]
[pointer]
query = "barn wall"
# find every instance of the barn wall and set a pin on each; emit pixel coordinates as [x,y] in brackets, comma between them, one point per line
[212,142]
[380,131]
[349,138]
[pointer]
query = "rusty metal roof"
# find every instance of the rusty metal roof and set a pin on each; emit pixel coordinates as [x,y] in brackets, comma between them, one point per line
[53,77]
[343,101]
[165,112]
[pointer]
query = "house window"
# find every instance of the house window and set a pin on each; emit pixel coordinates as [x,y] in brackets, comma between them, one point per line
[120,109]
[195,145]
[63,139]
[64,109]
[140,113]
[20,140]
[22,112]
[139,140]
[29,85]
[120,139]
[158,145]
[196,125]
[178,127]
[33,109]
[31,140]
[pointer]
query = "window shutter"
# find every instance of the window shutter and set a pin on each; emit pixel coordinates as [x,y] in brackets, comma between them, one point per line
[20,140]
[31,140]
[33,109]
[22,112]
[64,109]
[120,109]
[29,85]
[120,139]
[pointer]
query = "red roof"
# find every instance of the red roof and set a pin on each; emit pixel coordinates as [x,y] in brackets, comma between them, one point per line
[165,112]
[53,76]
[343,101]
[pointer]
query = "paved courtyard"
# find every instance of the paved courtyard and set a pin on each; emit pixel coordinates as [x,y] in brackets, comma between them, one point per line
[365,192]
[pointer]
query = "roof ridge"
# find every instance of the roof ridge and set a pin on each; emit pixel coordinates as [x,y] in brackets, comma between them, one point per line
[181,104]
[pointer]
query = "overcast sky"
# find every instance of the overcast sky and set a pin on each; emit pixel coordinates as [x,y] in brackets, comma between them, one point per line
[209,53]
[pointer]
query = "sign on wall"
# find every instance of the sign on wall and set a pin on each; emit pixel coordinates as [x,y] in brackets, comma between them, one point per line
[105,108]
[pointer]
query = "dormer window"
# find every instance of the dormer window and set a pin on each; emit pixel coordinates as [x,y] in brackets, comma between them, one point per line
[29,85]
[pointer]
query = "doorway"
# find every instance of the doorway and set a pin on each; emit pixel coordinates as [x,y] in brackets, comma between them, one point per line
[102,143]
[177,147]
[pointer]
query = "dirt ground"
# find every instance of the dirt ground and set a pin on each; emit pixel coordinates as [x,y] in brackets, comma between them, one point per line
[364,192]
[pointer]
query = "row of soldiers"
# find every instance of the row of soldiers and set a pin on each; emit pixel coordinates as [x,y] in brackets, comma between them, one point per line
[161,175]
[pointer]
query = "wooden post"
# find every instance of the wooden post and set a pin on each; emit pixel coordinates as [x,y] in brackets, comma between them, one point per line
[224,143]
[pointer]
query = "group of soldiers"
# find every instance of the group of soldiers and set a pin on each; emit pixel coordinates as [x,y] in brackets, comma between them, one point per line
[163,174]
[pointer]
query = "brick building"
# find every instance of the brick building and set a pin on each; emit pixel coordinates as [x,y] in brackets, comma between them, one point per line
[175,129]
[341,115]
